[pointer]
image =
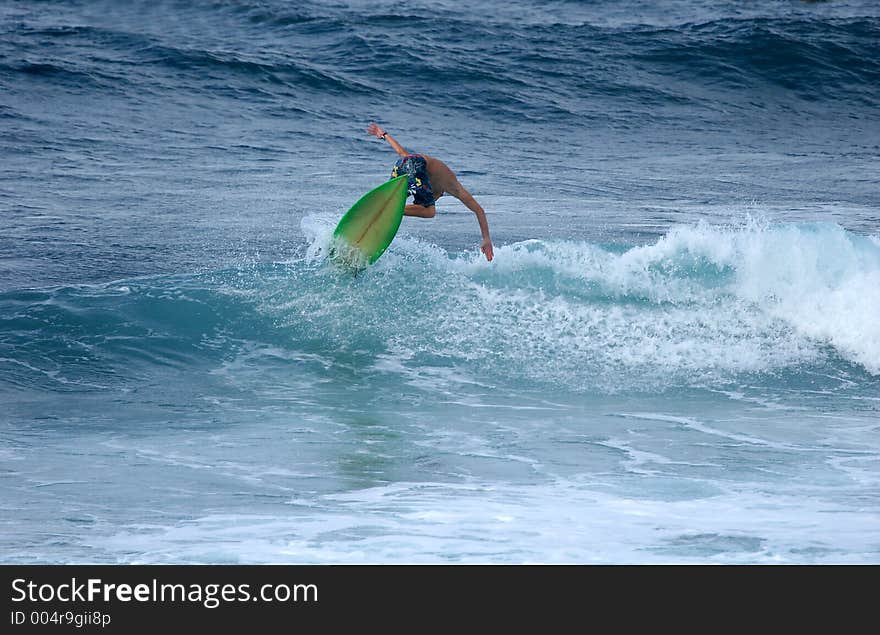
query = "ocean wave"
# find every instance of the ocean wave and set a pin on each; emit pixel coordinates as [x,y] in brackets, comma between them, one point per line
[290,72]
[812,57]
[496,66]
[71,75]
[699,307]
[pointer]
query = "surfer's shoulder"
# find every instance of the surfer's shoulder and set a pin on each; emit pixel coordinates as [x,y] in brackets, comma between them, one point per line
[437,167]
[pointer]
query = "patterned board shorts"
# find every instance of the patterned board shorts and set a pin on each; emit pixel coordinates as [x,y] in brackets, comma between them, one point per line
[415,166]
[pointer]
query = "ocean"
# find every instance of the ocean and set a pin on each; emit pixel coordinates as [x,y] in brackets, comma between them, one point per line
[673,358]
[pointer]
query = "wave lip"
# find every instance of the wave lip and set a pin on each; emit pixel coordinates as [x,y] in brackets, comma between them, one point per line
[820,279]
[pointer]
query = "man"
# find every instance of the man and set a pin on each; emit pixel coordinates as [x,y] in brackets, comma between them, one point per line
[429,179]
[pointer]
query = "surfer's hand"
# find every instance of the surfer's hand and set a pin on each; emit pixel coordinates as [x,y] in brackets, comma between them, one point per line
[374,129]
[486,248]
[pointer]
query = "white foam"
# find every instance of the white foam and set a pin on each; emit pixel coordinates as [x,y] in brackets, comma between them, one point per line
[563,522]
[318,230]
[697,306]
[818,280]
[825,282]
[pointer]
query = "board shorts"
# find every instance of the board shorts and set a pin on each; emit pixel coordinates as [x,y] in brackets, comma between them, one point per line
[416,167]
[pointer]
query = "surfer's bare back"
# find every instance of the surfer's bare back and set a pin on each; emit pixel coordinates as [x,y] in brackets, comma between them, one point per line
[429,179]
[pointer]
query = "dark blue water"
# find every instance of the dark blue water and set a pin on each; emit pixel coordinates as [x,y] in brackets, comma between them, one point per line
[674,357]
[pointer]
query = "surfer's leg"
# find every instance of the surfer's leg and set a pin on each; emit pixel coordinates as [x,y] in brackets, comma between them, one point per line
[419,210]
[419,186]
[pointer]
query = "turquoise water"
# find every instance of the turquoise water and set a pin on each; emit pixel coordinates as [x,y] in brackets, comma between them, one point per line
[674,357]
[711,396]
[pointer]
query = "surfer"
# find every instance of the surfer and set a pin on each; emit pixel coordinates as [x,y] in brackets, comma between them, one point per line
[429,179]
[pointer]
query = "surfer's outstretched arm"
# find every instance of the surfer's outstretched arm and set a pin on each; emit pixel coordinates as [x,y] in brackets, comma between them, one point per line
[374,129]
[458,191]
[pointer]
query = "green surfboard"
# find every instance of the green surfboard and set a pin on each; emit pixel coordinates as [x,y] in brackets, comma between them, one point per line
[367,229]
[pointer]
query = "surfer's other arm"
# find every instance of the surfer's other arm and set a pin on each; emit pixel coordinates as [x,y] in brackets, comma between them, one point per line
[458,191]
[374,129]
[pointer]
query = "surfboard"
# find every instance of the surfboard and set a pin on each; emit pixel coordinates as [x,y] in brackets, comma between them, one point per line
[365,231]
